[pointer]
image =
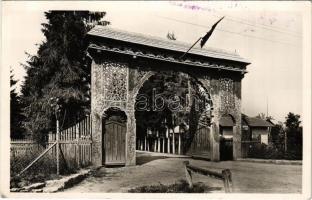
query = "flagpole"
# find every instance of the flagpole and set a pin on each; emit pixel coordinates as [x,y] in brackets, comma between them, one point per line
[190,48]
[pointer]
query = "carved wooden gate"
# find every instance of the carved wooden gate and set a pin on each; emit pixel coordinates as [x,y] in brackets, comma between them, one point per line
[114,141]
[123,61]
[200,146]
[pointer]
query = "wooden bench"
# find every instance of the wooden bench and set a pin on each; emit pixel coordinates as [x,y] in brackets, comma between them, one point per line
[225,175]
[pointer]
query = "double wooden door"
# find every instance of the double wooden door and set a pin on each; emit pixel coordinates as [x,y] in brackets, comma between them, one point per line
[115,143]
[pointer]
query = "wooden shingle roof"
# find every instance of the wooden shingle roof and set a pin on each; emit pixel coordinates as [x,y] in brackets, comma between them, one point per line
[156,42]
[256,122]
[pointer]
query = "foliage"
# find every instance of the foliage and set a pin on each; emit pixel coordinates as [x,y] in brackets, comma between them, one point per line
[264,117]
[278,137]
[286,143]
[171,36]
[172,108]
[60,69]
[16,117]
[260,150]
[292,121]
[179,187]
[264,151]
[293,136]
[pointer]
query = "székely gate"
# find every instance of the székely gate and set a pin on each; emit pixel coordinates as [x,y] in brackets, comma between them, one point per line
[122,62]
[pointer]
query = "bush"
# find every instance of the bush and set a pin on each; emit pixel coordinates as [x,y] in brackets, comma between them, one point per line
[180,187]
[264,151]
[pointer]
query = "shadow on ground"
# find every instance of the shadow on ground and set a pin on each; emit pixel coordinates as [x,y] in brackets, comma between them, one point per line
[140,160]
[179,187]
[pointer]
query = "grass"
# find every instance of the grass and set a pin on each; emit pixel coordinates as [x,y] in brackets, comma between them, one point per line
[179,187]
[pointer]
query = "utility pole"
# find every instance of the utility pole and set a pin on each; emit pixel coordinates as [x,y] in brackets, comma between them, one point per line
[267,107]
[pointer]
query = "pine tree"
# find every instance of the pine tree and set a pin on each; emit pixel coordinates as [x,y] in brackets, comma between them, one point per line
[60,69]
[16,117]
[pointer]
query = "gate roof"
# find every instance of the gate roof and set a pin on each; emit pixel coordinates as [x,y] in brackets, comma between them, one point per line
[116,34]
[129,38]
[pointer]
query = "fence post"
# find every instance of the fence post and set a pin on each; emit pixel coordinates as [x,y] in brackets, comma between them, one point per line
[57,147]
[188,174]
[227,179]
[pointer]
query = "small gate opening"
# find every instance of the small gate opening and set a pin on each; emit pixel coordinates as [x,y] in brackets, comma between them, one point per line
[114,123]
[227,124]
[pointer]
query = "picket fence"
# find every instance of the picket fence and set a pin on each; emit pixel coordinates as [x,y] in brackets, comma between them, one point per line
[74,142]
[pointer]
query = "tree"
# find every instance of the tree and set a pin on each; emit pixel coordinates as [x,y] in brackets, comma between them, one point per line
[278,136]
[171,36]
[61,69]
[264,117]
[293,136]
[172,107]
[16,116]
[292,121]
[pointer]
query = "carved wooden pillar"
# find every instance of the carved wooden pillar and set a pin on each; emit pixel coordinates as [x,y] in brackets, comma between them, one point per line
[237,131]
[130,139]
[214,142]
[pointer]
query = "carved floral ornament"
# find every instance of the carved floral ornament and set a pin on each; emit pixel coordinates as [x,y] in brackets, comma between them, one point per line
[227,94]
[116,81]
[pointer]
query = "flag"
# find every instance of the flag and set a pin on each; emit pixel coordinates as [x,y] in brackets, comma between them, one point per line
[208,34]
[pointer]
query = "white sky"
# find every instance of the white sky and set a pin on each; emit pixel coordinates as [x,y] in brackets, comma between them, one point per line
[268,35]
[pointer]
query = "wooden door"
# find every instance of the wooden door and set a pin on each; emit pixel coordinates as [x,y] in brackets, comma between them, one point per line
[114,143]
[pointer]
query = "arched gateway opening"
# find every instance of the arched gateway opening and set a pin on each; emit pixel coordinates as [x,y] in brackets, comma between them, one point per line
[173,115]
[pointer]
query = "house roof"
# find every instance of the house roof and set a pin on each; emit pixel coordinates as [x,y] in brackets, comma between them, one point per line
[256,122]
[151,41]
[226,121]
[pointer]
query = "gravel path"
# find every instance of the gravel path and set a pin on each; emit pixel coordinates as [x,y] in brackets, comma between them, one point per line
[153,169]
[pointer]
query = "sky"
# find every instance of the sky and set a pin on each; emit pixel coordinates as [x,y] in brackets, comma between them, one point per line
[269,35]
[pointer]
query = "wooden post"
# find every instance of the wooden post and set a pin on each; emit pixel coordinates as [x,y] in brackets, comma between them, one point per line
[141,145]
[163,146]
[188,174]
[227,179]
[155,145]
[57,147]
[168,144]
[148,145]
[158,144]
[179,145]
[173,142]
[77,144]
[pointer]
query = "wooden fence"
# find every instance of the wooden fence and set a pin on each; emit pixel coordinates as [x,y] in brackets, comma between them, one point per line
[20,147]
[74,145]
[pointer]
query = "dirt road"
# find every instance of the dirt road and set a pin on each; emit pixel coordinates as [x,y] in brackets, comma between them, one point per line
[154,169]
